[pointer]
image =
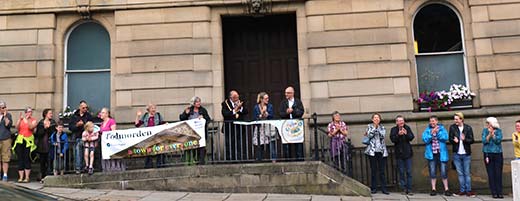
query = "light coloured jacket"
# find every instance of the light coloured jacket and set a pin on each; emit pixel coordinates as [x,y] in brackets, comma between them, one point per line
[375,135]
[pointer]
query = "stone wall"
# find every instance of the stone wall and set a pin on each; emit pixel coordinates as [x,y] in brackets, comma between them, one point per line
[358,58]
[27,61]
[496,29]
[162,56]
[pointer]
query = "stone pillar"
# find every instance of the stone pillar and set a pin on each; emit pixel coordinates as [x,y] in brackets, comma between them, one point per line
[515,166]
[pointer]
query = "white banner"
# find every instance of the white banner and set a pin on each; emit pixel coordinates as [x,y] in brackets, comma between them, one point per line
[167,138]
[290,130]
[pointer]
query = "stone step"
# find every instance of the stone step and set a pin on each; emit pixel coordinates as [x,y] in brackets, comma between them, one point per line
[295,177]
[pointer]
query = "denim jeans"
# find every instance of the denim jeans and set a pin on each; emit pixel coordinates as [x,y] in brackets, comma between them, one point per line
[377,169]
[463,166]
[78,154]
[405,173]
[432,166]
[494,170]
[272,150]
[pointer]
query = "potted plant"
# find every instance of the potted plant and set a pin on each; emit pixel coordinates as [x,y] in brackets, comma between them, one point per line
[459,96]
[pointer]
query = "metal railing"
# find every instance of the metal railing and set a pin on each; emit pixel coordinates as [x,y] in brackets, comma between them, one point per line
[352,161]
[234,143]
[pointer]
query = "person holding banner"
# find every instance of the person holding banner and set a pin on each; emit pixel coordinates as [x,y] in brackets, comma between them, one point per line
[233,110]
[89,138]
[292,108]
[77,121]
[194,111]
[149,119]
[263,110]
[109,124]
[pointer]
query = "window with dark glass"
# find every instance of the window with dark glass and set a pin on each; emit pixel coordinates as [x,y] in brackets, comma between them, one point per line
[439,48]
[87,71]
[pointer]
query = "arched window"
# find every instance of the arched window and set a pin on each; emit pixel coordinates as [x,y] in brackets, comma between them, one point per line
[439,48]
[87,66]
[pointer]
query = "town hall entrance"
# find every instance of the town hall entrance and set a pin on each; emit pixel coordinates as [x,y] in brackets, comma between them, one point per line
[260,54]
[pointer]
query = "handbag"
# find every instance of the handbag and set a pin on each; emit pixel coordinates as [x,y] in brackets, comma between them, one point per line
[366,140]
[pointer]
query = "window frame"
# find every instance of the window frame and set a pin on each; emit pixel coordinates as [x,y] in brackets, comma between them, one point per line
[463,51]
[65,57]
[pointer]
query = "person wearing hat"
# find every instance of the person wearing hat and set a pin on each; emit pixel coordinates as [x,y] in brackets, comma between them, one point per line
[493,158]
[461,138]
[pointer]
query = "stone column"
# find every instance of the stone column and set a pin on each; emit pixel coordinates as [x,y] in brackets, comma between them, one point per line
[515,165]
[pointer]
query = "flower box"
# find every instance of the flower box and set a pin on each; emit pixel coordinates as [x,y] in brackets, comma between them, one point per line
[456,104]
[458,97]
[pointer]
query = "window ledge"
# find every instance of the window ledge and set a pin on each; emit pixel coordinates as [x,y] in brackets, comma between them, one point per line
[388,117]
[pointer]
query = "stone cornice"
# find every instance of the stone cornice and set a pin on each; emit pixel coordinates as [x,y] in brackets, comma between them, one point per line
[388,117]
[12,7]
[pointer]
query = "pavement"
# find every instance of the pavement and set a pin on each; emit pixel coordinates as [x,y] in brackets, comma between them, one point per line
[131,195]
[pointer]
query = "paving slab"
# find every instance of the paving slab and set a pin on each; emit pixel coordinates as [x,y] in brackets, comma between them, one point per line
[166,196]
[245,196]
[60,190]
[391,196]
[205,197]
[349,198]
[325,198]
[129,193]
[85,194]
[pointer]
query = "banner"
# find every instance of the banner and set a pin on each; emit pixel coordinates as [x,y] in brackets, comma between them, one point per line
[290,130]
[167,138]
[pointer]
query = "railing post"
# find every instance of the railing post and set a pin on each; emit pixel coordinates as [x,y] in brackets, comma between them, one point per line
[258,146]
[315,119]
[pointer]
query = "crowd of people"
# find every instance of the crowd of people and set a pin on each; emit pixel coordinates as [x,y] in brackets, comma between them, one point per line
[46,139]
[435,137]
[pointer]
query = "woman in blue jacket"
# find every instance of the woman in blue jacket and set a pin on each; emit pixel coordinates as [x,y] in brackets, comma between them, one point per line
[493,158]
[435,137]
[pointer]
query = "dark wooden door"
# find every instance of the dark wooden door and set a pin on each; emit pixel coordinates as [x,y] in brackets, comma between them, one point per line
[260,54]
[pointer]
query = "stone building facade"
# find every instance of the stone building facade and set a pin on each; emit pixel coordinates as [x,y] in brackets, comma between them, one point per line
[353,56]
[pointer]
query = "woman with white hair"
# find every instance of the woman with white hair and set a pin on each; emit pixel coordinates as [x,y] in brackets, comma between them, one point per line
[149,119]
[194,111]
[493,158]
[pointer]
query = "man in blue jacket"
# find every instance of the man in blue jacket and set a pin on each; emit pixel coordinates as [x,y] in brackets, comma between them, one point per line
[435,137]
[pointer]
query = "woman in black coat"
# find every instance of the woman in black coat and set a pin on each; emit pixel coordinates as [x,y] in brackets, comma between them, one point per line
[44,130]
[195,110]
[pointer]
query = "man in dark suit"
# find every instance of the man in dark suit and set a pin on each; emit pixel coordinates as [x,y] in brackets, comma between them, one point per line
[292,108]
[233,110]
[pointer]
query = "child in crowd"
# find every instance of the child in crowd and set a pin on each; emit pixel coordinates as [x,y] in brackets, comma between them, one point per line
[60,141]
[89,138]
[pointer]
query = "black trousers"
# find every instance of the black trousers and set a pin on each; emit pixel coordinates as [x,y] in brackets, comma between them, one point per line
[24,156]
[494,170]
[160,160]
[233,140]
[377,168]
[298,147]
[44,164]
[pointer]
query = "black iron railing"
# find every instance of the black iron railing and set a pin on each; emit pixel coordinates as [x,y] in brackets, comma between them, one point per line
[234,143]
